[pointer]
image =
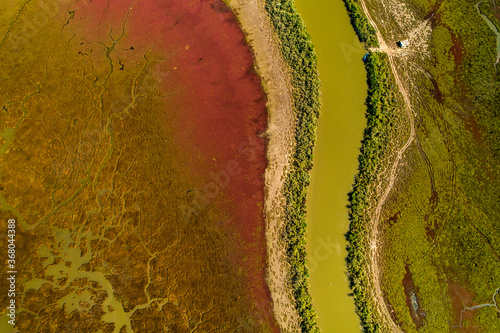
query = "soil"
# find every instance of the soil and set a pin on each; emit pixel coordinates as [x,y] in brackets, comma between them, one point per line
[461,297]
[280,132]
[412,299]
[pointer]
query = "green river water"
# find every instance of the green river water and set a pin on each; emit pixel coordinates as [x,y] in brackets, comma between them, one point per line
[340,131]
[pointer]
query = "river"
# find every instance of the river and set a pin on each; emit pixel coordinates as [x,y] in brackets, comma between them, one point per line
[340,131]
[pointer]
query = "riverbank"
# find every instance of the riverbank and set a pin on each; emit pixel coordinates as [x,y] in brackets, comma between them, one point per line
[298,52]
[415,246]
[364,210]
[260,35]
[286,61]
[375,149]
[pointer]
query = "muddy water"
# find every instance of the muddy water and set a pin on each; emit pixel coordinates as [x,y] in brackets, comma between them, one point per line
[340,131]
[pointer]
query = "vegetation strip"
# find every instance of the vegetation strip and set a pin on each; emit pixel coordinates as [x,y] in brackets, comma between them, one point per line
[376,145]
[447,247]
[298,52]
[365,31]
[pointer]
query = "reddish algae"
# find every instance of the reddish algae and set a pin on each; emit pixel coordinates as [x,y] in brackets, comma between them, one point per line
[214,102]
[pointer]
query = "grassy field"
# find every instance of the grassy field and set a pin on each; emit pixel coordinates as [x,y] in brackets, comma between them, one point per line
[440,225]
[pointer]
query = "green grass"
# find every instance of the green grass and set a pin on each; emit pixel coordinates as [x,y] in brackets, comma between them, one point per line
[447,193]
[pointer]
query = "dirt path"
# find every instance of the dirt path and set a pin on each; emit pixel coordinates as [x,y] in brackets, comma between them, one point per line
[374,239]
[281,126]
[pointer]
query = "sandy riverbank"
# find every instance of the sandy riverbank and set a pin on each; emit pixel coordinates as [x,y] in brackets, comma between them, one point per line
[281,124]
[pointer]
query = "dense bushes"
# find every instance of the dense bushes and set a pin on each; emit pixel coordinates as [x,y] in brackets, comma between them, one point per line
[375,143]
[364,30]
[380,102]
[457,163]
[298,52]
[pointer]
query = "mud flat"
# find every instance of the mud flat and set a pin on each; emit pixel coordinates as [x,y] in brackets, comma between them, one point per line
[281,123]
[140,206]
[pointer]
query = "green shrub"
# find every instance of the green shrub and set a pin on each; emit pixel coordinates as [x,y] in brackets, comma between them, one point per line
[298,52]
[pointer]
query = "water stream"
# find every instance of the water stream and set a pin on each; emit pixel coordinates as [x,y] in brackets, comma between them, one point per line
[340,131]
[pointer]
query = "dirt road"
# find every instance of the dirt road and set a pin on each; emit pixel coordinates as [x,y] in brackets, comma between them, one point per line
[374,237]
